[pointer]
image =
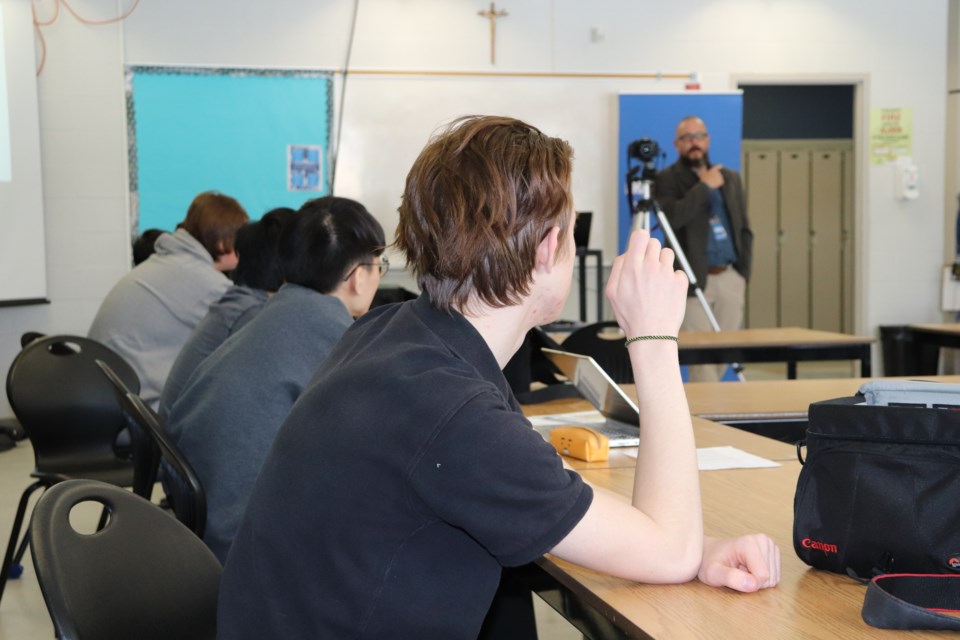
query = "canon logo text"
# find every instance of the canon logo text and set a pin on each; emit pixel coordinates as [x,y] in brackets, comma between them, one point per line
[807,543]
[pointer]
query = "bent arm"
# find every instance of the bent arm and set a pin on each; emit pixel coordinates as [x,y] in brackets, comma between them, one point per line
[659,538]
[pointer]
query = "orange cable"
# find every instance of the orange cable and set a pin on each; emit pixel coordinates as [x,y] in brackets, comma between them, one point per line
[37,23]
[96,22]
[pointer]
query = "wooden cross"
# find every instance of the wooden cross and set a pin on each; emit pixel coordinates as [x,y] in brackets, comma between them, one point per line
[492,14]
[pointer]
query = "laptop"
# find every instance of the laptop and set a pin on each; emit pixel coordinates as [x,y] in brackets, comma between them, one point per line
[620,416]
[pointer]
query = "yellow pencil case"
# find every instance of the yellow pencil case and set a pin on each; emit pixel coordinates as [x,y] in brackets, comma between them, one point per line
[581,443]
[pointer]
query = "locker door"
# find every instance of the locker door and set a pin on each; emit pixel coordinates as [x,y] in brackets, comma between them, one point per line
[794,264]
[847,243]
[826,217]
[760,183]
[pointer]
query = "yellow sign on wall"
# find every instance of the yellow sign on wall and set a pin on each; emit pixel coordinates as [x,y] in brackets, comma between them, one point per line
[891,134]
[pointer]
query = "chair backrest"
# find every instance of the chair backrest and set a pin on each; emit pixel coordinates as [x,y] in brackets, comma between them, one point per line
[144,575]
[184,490]
[146,453]
[603,341]
[64,405]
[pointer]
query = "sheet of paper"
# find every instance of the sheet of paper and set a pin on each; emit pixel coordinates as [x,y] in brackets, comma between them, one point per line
[715,458]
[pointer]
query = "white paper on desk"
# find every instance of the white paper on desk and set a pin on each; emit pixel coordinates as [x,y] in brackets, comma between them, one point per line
[716,458]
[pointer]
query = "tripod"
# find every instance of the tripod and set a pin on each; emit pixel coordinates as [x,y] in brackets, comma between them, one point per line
[644,208]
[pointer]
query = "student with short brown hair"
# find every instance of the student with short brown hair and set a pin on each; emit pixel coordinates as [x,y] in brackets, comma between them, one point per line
[150,312]
[406,477]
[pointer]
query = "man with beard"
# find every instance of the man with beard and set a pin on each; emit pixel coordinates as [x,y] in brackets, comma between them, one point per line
[706,207]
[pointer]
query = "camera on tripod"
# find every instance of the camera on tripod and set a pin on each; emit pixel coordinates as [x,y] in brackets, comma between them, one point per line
[645,150]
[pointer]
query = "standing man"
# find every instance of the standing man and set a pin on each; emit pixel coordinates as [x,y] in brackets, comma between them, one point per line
[707,209]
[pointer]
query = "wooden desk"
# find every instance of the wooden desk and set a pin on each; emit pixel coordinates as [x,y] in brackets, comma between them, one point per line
[788,344]
[807,603]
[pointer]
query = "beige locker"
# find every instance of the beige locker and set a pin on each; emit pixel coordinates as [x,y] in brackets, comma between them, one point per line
[762,207]
[800,203]
[826,231]
[794,239]
[847,245]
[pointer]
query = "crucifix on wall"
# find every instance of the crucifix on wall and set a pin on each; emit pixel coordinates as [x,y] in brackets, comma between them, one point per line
[492,14]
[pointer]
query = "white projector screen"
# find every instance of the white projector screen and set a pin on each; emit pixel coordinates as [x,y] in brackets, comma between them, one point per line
[23,275]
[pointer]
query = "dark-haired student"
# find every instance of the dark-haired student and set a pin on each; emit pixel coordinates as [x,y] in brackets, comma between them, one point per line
[148,315]
[228,413]
[143,246]
[258,274]
[406,476]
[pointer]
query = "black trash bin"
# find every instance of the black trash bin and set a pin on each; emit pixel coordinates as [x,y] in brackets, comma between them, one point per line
[904,357]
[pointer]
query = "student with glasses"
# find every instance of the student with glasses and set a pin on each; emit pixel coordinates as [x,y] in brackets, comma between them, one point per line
[227,415]
[707,209]
[406,478]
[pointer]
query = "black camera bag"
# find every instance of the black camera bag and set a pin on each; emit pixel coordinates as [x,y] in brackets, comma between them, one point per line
[879,491]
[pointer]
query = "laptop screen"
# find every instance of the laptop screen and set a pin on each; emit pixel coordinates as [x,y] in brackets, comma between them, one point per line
[595,385]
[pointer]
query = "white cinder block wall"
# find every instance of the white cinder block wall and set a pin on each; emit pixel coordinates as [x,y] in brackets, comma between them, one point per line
[897,52]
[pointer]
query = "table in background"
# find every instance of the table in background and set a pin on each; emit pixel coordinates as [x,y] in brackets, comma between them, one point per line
[785,344]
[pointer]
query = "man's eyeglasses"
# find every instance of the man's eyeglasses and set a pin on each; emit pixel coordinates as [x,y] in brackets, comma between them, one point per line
[690,137]
[383,265]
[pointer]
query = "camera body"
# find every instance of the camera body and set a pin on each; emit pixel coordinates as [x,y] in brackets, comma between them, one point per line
[645,150]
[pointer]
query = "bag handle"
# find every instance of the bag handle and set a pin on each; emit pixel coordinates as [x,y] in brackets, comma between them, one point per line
[912,601]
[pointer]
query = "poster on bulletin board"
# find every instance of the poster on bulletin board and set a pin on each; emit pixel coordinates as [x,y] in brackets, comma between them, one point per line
[656,116]
[261,136]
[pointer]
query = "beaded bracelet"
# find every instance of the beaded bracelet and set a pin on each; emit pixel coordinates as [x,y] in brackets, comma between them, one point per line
[639,338]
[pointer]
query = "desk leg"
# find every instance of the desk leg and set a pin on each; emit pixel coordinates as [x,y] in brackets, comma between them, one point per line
[582,258]
[791,370]
[865,363]
[599,289]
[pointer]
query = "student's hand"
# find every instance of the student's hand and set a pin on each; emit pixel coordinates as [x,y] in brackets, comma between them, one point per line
[748,563]
[647,295]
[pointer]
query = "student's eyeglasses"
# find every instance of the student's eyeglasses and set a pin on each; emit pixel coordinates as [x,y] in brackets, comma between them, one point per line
[383,265]
[690,137]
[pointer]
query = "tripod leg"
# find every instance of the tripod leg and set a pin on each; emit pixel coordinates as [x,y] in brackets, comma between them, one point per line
[682,259]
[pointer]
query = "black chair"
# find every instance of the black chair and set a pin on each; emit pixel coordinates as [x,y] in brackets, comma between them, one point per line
[143,575]
[72,418]
[184,491]
[603,341]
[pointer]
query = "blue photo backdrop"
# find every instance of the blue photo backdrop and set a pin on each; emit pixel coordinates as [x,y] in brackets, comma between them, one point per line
[656,115]
[229,130]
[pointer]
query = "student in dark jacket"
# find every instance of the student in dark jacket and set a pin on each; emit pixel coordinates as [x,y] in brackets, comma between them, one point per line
[406,477]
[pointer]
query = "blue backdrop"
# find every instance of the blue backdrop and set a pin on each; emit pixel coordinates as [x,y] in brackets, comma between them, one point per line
[656,115]
[195,130]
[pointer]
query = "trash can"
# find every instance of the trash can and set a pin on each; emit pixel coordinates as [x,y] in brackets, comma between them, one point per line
[904,357]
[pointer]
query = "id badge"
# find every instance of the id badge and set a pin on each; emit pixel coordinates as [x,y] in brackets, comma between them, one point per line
[719,231]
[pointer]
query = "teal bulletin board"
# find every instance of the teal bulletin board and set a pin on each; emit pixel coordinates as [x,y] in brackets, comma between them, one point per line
[261,136]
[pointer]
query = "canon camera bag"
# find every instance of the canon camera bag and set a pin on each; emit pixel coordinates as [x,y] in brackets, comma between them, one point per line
[879,493]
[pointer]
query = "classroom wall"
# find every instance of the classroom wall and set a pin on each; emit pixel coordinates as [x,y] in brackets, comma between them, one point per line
[897,50]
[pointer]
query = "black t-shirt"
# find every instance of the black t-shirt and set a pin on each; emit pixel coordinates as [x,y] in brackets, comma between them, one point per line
[401,482]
